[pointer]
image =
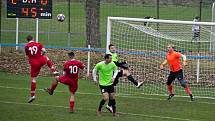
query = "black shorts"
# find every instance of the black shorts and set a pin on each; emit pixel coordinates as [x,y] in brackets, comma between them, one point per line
[123,65]
[173,75]
[196,35]
[116,81]
[107,89]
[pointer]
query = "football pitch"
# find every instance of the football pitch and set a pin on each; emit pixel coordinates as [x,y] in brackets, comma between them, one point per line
[15,91]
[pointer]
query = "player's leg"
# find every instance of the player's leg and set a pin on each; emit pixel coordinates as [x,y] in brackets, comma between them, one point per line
[184,84]
[113,103]
[130,78]
[72,90]
[112,99]
[33,89]
[196,36]
[53,85]
[105,97]
[51,65]
[34,71]
[116,81]
[170,79]
[72,103]
[126,73]
[121,73]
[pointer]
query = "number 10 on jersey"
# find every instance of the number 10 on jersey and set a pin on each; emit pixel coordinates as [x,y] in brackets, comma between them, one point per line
[73,69]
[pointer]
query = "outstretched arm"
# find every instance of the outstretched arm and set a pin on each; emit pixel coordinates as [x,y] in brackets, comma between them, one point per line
[164,63]
[184,59]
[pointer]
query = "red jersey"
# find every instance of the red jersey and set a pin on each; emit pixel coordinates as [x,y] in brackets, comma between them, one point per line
[173,60]
[71,68]
[33,50]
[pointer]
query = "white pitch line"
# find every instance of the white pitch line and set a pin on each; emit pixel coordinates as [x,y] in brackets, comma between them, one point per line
[132,114]
[125,96]
[17,88]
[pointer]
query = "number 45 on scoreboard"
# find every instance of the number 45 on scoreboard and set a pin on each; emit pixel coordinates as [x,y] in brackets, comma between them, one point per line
[41,9]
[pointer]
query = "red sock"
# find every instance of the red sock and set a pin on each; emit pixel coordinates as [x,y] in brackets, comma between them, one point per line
[187,90]
[169,87]
[33,88]
[54,85]
[50,65]
[72,105]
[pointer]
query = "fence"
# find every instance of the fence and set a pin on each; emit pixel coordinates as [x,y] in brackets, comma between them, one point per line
[73,33]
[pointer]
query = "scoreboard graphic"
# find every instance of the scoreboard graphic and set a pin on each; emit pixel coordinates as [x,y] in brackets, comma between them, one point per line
[41,9]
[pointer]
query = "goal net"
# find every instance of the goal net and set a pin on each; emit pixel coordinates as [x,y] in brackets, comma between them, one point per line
[142,43]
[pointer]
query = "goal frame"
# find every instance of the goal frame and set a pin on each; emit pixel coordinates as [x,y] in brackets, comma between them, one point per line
[110,19]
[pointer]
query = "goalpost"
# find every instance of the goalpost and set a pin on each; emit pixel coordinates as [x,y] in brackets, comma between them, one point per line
[143,47]
[212,45]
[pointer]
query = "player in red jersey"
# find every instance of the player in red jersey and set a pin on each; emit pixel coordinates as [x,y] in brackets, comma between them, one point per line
[36,56]
[70,78]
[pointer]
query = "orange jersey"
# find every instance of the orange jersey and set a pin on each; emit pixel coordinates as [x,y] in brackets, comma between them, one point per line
[173,60]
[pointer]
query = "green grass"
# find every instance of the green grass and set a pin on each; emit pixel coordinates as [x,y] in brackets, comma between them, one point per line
[78,20]
[13,106]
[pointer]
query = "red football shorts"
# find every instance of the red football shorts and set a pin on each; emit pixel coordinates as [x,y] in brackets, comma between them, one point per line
[36,65]
[73,85]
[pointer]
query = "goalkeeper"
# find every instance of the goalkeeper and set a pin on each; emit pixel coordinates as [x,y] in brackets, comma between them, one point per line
[124,71]
[173,60]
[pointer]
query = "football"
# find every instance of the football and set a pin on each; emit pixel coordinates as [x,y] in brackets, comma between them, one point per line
[60,17]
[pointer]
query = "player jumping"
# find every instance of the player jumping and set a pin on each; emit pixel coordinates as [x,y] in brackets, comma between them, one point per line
[124,71]
[70,78]
[105,70]
[173,59]
[36,56]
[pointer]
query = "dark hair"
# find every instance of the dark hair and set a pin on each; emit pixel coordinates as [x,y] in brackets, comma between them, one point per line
[107,56]
[110,46]
[173,47]
[197,17]
[29,38]
[71,54]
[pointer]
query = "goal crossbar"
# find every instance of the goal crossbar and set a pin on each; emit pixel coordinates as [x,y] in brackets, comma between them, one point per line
[161,21]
